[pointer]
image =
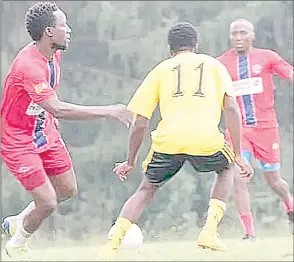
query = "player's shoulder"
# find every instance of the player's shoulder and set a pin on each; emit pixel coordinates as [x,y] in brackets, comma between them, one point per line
[228,54]
[19,63]
[165,63]
[25,56]
[264,51]
[162,66]
[25,51]
[27,61]
[206,58]
[213,62]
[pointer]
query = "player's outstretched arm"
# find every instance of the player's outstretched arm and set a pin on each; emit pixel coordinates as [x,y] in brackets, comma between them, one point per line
[280,66]
[63,110]
[137,132]
[233,123]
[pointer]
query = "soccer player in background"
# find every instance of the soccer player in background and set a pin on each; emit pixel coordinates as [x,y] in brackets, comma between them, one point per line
[31,146]
[192,90]
[251,70]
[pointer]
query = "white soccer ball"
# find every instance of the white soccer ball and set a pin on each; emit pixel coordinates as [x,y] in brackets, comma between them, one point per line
[133,238]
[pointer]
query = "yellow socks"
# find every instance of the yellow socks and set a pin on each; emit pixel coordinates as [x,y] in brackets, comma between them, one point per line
[122,225]
[214,214]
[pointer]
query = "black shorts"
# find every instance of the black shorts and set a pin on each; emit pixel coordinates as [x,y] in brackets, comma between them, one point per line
[160,167]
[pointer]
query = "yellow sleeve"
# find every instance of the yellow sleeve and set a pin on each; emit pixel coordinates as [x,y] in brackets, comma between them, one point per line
[225,80]
[145,99]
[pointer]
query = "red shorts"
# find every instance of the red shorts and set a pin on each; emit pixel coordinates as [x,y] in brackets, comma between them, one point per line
[32,169]
[262,143]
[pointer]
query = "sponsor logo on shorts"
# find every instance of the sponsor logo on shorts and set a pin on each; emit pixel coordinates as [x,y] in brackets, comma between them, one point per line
[39,136]
[267,165]
[23,169]
[275,146]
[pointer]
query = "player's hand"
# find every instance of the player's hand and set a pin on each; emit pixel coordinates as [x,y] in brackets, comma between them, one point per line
[122,170]
[246,170]
[56,123]
[120,113]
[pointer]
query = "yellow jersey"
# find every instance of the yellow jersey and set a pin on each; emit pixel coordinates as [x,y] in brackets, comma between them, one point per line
[190,90]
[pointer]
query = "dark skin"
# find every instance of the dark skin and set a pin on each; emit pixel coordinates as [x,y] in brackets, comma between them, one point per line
[140,124]
[58,38]
[48,195]
[136,204]
[242,36]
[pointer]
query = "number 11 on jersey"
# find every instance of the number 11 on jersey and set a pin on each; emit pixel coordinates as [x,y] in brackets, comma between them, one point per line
[198,86]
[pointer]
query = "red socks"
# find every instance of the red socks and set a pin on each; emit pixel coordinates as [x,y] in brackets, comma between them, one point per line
[289,205]
[248,224]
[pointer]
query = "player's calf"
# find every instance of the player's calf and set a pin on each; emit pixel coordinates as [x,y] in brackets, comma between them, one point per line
[131,211]
[208,237]
[45,202]
[67,194]
[281,187]
[242,201]
[277,184]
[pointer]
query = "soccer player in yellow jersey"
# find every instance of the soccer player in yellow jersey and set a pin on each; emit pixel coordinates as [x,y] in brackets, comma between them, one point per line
[192,90]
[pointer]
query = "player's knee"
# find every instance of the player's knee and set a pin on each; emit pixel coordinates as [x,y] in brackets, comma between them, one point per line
[48,206]
[148,190]
[274,183]
[239,183]
[72,192]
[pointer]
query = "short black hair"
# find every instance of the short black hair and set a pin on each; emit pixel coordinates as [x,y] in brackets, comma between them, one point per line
[182,36]
[38,17]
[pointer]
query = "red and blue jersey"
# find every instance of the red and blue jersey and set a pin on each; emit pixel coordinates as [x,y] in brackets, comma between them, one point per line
[31,80]
[253,84]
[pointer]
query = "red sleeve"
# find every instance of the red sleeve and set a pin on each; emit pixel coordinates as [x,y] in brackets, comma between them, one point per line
[279,66]
[36,84]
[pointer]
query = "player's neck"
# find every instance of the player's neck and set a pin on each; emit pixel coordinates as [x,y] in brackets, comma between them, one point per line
[244,53]
[183,51]
[47,51]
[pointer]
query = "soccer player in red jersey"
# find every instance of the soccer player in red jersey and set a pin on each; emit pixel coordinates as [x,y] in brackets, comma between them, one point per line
[31,146]
[251,70]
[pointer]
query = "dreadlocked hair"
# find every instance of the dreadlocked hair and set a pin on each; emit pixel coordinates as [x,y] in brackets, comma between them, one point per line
[181,36]
[38,17]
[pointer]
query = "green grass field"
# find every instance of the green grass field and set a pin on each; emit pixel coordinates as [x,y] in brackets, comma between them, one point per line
[265,249]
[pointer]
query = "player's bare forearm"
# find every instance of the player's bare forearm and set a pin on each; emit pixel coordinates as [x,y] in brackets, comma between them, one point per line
[63,110]
[233,122]
[78,112]
[137,132]
[232,119]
